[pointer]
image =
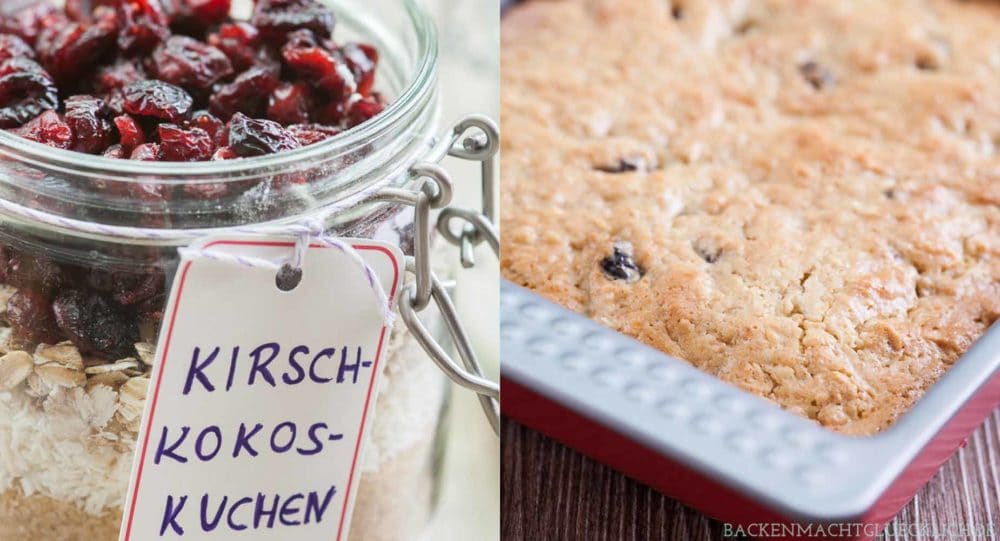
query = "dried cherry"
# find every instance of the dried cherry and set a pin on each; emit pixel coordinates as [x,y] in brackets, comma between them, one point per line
[90,119]
[157,99]
[49,129]
[362,59]
[248,94]
[144,25]
[290,104]
[308,134]
[276,18]
[25,91]
[130,133]
[96,324]
[12,46]
[189,63]
[185,145]
[240,43]
[67,51]
[29,313]
[249,137]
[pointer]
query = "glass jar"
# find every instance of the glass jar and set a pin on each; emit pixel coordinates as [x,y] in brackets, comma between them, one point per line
[81,311]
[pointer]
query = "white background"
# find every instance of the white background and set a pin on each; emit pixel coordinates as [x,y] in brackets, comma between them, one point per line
[470,78]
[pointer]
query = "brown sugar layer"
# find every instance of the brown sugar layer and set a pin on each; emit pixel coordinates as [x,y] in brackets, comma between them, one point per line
[799,197]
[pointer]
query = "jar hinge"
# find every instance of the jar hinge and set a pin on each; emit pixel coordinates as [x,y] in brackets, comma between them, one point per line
[474,227]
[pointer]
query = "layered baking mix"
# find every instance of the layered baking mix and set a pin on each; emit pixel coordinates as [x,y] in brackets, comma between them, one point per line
[799,197]
[179,81]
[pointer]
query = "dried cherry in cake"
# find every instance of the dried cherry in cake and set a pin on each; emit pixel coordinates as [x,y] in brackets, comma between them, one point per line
[189,63]
[25,91]
[276,18]
[96,324]
[49,129]
[90,119]
[157,99]
[29,313]
[621,265]
[185,145]
[249,137]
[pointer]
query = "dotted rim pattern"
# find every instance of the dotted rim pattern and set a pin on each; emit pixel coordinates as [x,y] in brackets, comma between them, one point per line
[787,463]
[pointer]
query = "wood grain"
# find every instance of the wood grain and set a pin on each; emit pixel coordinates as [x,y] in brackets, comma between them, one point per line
[550,492]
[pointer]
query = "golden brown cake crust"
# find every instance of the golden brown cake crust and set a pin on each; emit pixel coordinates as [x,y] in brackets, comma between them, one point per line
[811,188]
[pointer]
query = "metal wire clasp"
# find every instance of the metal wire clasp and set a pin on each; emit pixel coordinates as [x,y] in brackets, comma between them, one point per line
[474,138]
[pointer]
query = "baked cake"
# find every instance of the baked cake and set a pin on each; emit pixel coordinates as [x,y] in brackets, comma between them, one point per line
[801,197]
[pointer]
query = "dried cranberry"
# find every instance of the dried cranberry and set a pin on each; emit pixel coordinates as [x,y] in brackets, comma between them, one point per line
[239,41]
[157,99]
[308,134]
[30,316]
[144,25]
[189,63]
[363,110]
[276,18]
[317,65]
[248,137]
[247,94]
[363,61]
[95,324]
[131,134]
[12,46]
[71,50]
[25,91]
[180,145]
[290,104]
[48,128]
[89,117]
[148,152]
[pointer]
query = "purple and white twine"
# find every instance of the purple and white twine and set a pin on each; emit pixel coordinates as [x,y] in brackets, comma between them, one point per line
[305,231]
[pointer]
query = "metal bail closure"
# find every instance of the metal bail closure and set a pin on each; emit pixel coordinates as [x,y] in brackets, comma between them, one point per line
[476,227]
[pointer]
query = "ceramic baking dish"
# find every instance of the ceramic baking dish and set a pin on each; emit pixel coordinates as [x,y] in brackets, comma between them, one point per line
[734,456]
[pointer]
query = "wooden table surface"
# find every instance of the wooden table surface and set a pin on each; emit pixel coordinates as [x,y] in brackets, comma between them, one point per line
[552,493]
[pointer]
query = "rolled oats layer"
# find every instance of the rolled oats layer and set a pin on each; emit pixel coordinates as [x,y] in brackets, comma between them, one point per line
[68,429]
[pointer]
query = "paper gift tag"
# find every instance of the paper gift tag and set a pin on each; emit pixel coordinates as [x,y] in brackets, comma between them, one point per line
[259,398]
